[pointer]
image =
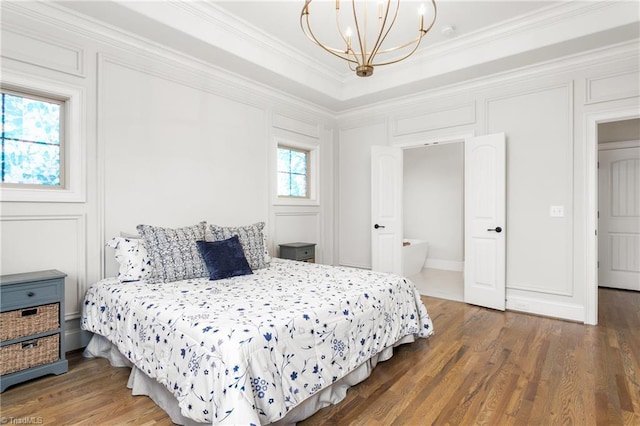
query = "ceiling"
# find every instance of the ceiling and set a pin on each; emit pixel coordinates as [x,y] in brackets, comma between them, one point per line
[262,41]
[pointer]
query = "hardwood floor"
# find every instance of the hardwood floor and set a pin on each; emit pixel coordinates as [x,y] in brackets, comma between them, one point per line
[482,367]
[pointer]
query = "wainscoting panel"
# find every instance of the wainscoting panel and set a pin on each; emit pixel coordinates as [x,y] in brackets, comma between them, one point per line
[539,175]
[36,243]
[613,86]
[46,53]
[439,119]
[292,227]
[296,125]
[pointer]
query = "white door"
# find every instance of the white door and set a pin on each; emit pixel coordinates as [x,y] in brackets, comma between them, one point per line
[485,214]
[619,218]
[386,209]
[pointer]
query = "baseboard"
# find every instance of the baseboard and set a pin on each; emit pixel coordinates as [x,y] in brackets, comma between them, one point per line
[447,265]
[74,337]
[547,308]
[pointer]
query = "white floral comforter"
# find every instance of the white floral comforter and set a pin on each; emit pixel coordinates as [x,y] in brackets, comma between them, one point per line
[249,349]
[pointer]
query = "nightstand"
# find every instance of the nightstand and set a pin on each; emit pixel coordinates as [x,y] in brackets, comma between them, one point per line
[304,252]
[31,326]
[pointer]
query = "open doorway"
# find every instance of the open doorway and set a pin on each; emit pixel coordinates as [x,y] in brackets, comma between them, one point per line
[484,216]
[619,204]
[593,122]
[433,217]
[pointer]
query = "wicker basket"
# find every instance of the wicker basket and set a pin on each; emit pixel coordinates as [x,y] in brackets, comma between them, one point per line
[28,321]
[30,353]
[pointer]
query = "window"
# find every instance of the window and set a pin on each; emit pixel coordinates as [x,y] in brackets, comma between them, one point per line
[296,171]
[293,172]
[28,127]
[32,140]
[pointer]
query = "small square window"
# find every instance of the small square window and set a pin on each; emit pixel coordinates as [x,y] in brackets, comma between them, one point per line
[32,141]
[293,172]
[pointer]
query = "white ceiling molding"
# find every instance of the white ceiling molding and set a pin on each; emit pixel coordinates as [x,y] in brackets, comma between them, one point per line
[207,33]
[54,15]
[627,52]
[542,29]
[215,26]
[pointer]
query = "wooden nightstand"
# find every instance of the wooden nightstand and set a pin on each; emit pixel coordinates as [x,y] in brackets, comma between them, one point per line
[31,326]
[304,252]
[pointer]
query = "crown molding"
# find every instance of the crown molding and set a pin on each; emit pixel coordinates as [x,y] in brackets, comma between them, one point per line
[215,26]
[241,29]
[627,51]
[541,29]
[60,17]
[231,49]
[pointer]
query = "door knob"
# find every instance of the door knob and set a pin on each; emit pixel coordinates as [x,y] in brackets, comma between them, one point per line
[496,229]
[378,226]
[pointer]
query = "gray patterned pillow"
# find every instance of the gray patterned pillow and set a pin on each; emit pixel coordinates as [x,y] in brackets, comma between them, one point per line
[174,252]
[251,238]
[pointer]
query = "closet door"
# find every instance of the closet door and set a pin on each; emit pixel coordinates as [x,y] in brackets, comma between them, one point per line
[619,218]
[386,209]
[485,214]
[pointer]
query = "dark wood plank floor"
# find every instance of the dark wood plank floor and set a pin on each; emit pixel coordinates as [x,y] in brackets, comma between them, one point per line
[482,367]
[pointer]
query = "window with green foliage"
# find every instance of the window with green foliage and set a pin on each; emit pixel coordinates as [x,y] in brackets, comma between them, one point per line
[32,140]
[293,172]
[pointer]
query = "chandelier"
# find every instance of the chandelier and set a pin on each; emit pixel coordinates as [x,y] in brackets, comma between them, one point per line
[358,49]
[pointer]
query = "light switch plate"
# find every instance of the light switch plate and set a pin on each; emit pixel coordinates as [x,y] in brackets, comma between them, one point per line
[556,211]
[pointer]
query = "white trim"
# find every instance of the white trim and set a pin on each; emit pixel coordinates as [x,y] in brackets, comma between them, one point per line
[566,64]
[618,145]
[72,335]
[591,122]
[355,265]
[75,168]
[445,265]
[622,89]
[234,85]
[75,66]
[548,308]
[431,140]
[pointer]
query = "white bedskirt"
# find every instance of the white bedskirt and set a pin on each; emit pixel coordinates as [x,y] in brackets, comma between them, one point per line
[141,384]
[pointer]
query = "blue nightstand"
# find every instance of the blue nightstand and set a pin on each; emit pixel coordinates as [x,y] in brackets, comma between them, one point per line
[31,326]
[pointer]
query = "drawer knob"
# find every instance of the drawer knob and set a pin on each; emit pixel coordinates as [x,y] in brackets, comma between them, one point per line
[31,294]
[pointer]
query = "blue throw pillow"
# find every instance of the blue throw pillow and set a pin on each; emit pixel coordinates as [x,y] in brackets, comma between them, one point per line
[224,259]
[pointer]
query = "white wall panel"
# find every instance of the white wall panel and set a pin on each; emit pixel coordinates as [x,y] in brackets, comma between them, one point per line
[40,242]
[46,52]
[437,119]
[174,155]
[298,227]
[617,85]
[296,125]
[538,125]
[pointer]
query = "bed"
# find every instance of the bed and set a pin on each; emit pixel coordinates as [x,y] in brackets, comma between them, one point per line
[271,346]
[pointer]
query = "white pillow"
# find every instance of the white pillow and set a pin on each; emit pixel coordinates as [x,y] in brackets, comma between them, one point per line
[131,254]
